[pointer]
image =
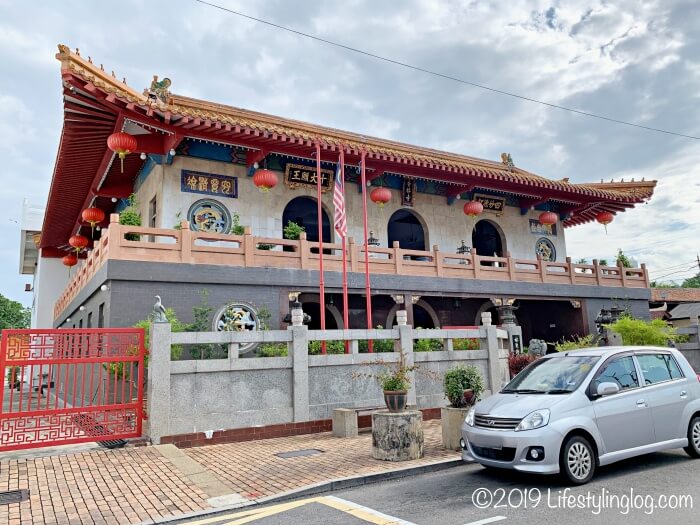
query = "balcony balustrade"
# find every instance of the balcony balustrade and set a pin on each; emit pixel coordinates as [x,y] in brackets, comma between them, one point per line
[192,247]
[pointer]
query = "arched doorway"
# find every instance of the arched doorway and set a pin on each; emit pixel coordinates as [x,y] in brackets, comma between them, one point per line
[488,239]
[405,227]
[421,318]
[304,211]
[314,310]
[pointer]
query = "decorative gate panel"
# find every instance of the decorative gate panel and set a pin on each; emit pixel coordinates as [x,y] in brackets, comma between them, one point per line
[70,386]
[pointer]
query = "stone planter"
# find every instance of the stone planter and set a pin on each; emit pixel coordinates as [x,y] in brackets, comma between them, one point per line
[397,436]
[452,420]
[396,400]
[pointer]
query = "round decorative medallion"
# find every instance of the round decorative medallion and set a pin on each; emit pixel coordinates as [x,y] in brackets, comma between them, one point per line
[208,215]
[545,249]
[237,317]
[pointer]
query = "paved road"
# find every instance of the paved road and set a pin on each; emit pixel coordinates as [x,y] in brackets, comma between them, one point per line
[449,498]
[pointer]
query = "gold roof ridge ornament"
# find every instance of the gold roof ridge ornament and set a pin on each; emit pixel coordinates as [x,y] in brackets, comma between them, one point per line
[159,90]
[507,161]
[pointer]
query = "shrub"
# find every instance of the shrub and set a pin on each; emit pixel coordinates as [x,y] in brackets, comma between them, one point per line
[130,216]
[332,347]
[273,350]
[427,345]
[378,346]
[466,344]
[574,344]
[236,227]
[292,231]
[460,378]
[517,362]
[644,333]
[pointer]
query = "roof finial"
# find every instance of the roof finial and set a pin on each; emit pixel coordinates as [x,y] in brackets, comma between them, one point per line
[124,80]
[507,161]
[159,89]
[77,51]
[102,68]
[89,59]
[113,75]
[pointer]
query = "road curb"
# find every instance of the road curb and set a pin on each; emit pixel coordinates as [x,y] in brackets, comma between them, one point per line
[309,490]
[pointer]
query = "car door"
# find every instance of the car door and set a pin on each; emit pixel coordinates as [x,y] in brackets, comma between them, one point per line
[624,419]
[666,390]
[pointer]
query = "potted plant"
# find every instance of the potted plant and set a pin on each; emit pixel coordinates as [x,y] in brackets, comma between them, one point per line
[463,386]
[394,381]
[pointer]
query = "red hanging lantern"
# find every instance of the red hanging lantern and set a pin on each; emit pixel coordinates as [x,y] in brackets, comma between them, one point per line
[93,216]
[473,208]
[265,179]
[78,242]
[548,218]
[380,196]
[70,260]
[605,218]
[122,144]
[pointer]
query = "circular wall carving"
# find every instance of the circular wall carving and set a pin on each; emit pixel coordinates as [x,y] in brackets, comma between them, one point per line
[209,215]
[545,248]
[237,317]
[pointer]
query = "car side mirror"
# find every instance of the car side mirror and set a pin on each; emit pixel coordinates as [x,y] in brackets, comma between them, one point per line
[607,389]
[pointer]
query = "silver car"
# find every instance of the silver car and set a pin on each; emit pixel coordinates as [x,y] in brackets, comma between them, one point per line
[571,412]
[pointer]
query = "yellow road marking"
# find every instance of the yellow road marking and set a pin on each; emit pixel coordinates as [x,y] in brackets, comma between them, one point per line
[348,507]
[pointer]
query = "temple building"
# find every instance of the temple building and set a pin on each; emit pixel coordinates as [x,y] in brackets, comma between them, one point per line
[448,237]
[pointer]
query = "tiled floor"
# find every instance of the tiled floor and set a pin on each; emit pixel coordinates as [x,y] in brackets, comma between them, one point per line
[136,484]
[253,470]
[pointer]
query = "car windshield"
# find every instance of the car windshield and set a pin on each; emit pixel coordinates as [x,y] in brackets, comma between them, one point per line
[555,375]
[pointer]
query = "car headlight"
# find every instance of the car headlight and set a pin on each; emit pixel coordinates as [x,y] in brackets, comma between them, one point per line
[536,419]
[469,420]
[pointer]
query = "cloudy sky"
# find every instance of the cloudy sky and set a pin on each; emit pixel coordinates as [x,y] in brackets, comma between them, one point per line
[631,60]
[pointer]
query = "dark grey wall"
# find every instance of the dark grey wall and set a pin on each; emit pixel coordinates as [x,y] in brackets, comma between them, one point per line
[134,284]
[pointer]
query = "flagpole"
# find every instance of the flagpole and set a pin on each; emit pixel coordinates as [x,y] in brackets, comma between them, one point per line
[321,284]
[368,293]
[346,316]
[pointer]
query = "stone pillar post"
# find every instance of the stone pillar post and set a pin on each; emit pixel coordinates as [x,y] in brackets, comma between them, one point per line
[300,364]
[406,348]
[158,383]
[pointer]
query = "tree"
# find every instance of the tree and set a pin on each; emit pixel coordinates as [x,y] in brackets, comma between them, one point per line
[13,314]
[622,259]
[692,282]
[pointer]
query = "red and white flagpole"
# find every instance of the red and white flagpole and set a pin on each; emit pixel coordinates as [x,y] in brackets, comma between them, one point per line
[321,283]
[346,314]
[368,292]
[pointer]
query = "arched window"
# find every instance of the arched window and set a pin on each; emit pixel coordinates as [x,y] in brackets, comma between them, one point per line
[407,229]
[488,239]
[304,212]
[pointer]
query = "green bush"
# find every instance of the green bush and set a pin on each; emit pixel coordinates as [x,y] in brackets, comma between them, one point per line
[644,333]
[292,231]
[332,347]
[273,350]
[130,216]
[460,378]
[574,344]
[427,345]
[378,346]
[236,227]
[466,344]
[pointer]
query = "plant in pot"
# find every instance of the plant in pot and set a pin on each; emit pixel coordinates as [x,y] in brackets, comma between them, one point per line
[463,386]
[395,380]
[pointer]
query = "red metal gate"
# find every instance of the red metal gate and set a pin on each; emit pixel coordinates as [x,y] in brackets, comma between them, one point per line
[70,386]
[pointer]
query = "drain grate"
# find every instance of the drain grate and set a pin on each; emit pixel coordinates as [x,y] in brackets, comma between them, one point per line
[13,496]
[299,453]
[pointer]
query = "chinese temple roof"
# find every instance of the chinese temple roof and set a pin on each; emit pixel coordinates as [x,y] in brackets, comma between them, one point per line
[97,103]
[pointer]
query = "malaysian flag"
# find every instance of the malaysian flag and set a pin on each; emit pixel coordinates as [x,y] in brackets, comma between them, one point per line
[339,217]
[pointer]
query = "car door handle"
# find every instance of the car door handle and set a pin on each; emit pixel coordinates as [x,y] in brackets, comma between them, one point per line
[641,403]
[684,393]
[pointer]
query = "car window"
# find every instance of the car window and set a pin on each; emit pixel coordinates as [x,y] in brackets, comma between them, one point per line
[620,371]
[658,368]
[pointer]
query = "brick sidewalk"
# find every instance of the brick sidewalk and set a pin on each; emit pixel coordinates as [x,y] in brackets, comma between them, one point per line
[137,484]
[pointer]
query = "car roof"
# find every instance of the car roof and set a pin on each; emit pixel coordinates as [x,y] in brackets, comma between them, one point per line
[605,351]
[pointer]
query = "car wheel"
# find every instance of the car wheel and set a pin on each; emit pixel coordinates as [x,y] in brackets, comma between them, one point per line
[693,448]
[577,460]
